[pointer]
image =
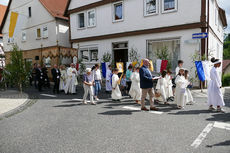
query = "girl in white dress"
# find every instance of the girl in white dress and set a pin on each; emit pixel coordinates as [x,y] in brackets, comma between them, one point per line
[169,90]
[135,90]
[163,86]
[215,96]
[180,89]
[116,93]
[188,94]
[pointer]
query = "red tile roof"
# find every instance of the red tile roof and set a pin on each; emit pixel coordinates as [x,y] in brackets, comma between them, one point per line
[226,63]
[2,13]
[55,7]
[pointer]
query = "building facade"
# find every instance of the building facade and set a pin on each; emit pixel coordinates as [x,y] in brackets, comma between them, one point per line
[147,26]
[2,13]
[41,32]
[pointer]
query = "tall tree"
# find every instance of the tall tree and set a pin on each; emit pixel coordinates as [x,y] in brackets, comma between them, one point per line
[227,47]
[18,71]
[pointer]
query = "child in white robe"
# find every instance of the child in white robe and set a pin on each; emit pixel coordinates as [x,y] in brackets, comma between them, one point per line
[169,90]
[180,89]
[116,93]
[63,78]
[188,94]
[215,96]
[163,87]
[135,90]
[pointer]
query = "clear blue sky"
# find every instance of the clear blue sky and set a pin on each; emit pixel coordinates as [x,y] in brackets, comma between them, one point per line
[225,4]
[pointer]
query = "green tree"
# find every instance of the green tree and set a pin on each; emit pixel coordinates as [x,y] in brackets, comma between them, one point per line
[227,47]
[18,71]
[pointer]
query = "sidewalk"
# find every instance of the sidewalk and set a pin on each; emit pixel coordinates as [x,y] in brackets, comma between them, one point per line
[198,93]
[10,101]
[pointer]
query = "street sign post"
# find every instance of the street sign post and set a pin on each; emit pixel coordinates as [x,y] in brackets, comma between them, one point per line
[200,35]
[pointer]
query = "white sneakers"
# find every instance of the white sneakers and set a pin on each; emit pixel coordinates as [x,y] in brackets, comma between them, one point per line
[85,103]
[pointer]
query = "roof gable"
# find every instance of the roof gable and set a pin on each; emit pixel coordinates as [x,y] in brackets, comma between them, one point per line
[55,7]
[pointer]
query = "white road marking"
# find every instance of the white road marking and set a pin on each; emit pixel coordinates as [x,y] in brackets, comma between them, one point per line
[138,109]
[47,95]
[222,125]
[202,135]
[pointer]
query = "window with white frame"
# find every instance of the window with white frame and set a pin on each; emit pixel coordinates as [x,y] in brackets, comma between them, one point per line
[91,16]
[38,33]
[150,7]
[156,47]
[89,54]
[81,20]
[23,36]
[169,6]
[45,32]
[118,11]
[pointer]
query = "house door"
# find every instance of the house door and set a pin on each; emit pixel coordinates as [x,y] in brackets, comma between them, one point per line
[120,53]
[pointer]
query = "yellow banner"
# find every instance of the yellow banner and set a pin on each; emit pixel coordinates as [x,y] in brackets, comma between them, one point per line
[13,22]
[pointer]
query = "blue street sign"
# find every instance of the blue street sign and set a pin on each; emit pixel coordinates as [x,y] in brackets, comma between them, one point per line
[200,35]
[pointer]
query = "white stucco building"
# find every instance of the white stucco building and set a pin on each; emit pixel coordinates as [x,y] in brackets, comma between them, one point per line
[99,26]
[41,32]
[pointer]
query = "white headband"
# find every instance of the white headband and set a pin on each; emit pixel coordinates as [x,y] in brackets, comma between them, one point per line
[217,62]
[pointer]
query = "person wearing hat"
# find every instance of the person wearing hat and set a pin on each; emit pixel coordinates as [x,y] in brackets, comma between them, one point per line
[88,86]
[215,96]
[180,89]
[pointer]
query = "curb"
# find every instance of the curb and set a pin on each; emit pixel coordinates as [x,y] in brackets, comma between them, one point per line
[19,109]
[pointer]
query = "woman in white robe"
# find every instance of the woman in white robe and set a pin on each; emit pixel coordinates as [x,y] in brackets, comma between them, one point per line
[180,89]
[108,79]
[63,78]
[169,90]
[215,96]
[116,93]
[135,90]
[188,94]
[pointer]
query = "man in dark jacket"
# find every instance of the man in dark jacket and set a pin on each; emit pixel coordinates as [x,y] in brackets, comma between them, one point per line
[146,84]
[56,78]
[39,77]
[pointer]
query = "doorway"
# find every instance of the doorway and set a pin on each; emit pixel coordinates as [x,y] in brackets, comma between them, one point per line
[120,53]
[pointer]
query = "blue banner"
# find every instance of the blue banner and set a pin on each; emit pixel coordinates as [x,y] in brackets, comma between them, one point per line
[200,70]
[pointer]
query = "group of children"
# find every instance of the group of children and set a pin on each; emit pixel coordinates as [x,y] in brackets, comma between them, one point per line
[168,88]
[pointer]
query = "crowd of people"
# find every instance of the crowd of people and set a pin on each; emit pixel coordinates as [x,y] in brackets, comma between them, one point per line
[136,82]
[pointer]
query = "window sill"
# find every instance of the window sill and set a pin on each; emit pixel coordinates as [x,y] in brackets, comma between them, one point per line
[81,28]
[91,26]
[169,11]
[116,21]
[148,15]
[39,38]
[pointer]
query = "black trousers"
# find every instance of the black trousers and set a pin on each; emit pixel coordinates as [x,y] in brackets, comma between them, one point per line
[40,84]
[56,85]
[128,85]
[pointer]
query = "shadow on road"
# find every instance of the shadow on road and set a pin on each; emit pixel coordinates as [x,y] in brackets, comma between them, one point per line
[220,117]
[225,143]
[118,112]
[192,112]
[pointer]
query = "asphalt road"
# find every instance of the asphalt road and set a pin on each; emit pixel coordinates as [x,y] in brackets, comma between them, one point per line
[61,124]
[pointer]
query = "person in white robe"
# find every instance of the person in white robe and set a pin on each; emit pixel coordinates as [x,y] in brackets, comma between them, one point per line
[180,89]
[71,82]
[135,90]
[63,78]
[163,87]
[108,79]
[215,96]
[169,90]
[116,93]
[188,94]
